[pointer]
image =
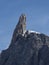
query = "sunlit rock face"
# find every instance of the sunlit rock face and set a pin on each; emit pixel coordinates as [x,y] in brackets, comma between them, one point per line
[26,47]
[20,27]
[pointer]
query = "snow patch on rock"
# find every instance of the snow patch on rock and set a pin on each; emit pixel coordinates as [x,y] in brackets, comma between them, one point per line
[30,31]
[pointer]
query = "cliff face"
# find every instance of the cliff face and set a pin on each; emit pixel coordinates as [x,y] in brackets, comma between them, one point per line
[29,48]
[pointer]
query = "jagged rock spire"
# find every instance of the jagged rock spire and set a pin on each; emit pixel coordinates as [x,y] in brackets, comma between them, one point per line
[20,27]
[32,49]
[21,24]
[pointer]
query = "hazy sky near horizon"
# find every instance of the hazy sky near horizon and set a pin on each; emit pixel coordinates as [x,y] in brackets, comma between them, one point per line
[37,13]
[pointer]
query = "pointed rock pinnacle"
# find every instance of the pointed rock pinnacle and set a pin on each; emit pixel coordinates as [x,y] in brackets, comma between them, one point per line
[20,27]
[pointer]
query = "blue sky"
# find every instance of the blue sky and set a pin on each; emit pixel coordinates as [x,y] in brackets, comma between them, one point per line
[37,13]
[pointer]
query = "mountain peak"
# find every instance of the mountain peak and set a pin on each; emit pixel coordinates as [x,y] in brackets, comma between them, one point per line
[27,47]
[20,27]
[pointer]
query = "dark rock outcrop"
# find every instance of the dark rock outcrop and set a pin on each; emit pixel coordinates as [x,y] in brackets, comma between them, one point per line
[29,48]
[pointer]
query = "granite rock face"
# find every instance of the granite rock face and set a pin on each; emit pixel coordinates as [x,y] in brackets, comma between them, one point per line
[29,48]
[20,28]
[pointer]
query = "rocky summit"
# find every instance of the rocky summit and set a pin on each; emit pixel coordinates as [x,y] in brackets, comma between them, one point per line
[26,47]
